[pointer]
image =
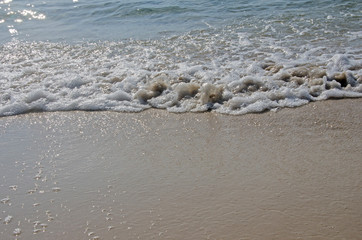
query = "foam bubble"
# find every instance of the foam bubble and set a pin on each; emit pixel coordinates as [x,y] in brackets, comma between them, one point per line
[5,200]
[211,94]
[119,95]
[17,231]
[154,89]
[56,189]
[8,219]
[246,84]
[186,90]
[34,96]
[13,187]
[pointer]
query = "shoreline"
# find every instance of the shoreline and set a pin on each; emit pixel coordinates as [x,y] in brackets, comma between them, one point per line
[273,110]
[290,174]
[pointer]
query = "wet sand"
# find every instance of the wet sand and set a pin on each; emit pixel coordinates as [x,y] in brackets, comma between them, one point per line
[290,174]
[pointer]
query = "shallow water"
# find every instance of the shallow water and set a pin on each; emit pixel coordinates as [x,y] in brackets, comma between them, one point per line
[232,57]
[152,175]
[113,20]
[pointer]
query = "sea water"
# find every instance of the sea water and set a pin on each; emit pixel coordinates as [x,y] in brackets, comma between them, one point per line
[232,57]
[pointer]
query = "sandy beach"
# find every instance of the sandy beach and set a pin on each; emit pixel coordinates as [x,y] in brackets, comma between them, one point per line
[290,174]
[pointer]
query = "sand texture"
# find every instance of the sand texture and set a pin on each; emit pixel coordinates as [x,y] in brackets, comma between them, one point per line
[290,174]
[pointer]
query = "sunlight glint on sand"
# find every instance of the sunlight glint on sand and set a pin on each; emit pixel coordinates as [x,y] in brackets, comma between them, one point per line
[156,175]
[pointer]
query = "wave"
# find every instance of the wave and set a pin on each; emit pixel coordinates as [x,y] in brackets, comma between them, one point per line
[230,73]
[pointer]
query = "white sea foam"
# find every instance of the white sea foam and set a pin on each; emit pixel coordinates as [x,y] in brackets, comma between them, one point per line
[17,231]
[5,200]
[231,72]
[8,219]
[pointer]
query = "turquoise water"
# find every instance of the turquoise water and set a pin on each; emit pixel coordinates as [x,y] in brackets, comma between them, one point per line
[93,20]
[232,57]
